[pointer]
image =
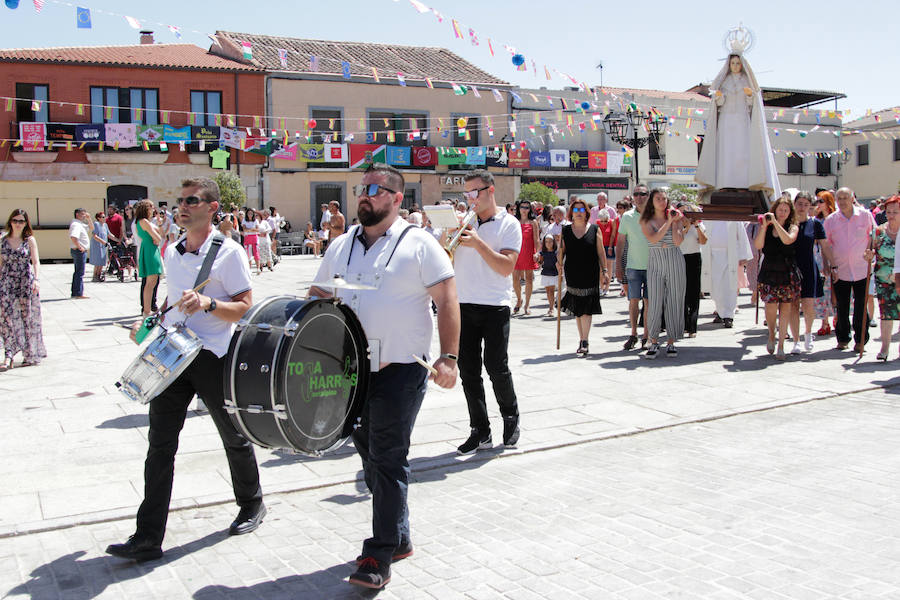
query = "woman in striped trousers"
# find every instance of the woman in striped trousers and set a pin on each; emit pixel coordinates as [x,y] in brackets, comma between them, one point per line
[666,277]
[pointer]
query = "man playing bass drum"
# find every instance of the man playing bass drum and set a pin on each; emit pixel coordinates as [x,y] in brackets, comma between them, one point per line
[407,269]
[211,315]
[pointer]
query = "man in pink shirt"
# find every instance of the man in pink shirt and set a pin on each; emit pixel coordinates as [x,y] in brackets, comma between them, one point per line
[602,204]
[849,231]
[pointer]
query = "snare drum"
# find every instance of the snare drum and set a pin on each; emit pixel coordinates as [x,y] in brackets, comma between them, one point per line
[161,362]
[296,374]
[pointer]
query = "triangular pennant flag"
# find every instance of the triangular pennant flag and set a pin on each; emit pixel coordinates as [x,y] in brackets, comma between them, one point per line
[134,23]
[247,49]
[176,31]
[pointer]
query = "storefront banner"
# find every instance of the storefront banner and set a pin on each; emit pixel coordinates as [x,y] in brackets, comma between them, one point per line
[90,133]
[33,136]
[398,156]
[597,160]
[477,155]
[580,183]
[202,133]
[559,158]
[335,153]
[614,162]
[60,132]
[519,158]
[152,134]
[289,152]
[424,156]
[123,134]
[311,152]
[232,138]
[451,156]
[496,156]
[176,134]
[540,160]
[363,155]
[578,159]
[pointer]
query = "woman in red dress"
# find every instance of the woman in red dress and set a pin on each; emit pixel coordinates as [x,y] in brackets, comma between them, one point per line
[525,265]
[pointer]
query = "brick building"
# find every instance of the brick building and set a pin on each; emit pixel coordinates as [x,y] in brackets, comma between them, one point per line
[148,85]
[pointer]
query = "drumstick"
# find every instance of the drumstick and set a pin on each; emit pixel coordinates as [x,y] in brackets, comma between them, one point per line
[425,364]
[150,322]
[196,289]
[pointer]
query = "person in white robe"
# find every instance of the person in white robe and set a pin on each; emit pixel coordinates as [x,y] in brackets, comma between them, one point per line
[725,253]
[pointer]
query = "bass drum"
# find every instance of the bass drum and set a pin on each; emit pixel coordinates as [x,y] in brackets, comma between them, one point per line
[296,374]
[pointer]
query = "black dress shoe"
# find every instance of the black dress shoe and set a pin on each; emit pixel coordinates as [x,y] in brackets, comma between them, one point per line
[729,323]
[248,519]
[136,549]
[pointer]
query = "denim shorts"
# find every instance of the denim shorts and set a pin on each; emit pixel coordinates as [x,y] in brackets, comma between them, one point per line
[637,283]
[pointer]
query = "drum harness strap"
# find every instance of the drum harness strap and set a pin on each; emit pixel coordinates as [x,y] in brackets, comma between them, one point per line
[209,259]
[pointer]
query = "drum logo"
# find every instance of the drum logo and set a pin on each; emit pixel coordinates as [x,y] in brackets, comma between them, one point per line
[321,384]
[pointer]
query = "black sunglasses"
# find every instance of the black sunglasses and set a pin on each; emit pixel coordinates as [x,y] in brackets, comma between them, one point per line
[191,200]
[370,189]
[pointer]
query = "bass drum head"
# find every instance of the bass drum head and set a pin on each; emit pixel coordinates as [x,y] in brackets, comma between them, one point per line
[324,370]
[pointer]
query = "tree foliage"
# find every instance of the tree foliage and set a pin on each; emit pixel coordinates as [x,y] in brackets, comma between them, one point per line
[231,190]
[537,192]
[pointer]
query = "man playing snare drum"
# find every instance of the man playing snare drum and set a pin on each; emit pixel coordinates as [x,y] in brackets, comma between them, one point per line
[211,315]
[406,269]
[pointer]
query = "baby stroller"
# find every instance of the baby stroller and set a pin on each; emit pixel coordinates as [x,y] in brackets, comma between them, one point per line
[120,259]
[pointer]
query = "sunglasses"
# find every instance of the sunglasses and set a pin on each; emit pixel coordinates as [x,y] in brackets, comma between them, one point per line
[21,221]
[472,194]
[191,200]
[641,194]
[370,189]
[578,209]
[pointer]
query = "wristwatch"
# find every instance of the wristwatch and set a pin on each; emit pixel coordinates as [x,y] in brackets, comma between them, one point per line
[447,355]
[212,305]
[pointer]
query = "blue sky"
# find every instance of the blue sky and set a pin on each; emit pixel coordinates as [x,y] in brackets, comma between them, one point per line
[827,45]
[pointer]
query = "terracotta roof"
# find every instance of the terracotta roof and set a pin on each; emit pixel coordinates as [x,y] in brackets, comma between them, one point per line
[164,56]
[416,62]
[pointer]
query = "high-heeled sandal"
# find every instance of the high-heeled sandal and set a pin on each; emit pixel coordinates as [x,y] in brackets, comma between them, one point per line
[516,309]
[882,356]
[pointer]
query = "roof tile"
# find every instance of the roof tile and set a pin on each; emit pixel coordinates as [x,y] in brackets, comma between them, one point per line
[415,62]
[171,56]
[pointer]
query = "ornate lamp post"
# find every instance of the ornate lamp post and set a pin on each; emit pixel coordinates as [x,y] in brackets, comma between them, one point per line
[626,129]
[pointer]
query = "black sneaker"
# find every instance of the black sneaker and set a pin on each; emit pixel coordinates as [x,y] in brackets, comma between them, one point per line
[510,431]
[671,351]
[371,574]
[652,351]
[476,441]
[729,323]
[404,550]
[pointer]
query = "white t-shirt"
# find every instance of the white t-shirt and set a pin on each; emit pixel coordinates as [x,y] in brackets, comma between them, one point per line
[230,276]
[250,227]
[691,243]
[263,229]
[398,314]
[274,224]
[79,231]
[476,282]
[326,218]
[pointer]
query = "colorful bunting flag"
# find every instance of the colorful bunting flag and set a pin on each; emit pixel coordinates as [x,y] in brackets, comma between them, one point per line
[176,31]
[134,23]
[456,30]
[490,47]
[345,69]
[419,6]
[314,64]
[247,49]
[38,5]
[282,57]
[82,17]
[10,104]
[497,96]
[401,79]
[473,37]
[429,84]
[375,75]
[79,109]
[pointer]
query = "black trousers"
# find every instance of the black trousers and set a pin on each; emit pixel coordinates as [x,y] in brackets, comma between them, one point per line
[491,325]
[393,400]
[842,290]
[692,265]
[167,414]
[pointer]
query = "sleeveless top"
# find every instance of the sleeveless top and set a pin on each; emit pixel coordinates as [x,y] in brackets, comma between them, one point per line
[779,261]
[884,259]
[581,263]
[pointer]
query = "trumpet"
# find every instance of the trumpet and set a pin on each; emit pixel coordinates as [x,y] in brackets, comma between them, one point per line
[467,220]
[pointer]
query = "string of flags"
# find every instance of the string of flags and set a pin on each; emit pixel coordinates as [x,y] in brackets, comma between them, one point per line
[83,16]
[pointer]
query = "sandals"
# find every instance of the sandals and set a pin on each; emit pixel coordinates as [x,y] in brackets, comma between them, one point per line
[582,348]
[516,309]
[630,343]
[527,311]
[882,356]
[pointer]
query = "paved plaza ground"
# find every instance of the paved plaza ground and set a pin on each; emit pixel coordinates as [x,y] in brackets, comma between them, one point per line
[633,479]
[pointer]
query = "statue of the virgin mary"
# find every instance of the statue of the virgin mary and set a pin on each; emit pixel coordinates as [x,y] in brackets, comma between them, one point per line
[736,150]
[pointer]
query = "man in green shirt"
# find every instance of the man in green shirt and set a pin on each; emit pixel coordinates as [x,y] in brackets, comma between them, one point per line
[636,268]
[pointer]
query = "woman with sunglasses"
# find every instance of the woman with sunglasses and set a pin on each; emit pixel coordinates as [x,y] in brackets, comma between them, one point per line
[20,301]
[149,259]
[666,275]
[99,243]
[583,259]
[525,264]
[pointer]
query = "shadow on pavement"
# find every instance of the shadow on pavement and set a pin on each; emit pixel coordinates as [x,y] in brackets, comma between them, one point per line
[89,578]
[130,421]
[288,457]
[124,321]
[325,583]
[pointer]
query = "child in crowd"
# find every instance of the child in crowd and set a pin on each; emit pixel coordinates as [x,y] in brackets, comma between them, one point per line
[547,258]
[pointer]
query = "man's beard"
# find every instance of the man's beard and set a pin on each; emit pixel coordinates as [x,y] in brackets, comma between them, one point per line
[368,216]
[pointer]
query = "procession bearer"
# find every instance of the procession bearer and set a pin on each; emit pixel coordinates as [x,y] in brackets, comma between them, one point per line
[407,269]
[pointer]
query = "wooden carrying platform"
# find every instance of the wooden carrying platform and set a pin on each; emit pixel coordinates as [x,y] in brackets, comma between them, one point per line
[731,205]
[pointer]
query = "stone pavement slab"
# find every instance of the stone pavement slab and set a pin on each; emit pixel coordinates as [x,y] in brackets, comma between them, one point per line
[74,446]
[798,502]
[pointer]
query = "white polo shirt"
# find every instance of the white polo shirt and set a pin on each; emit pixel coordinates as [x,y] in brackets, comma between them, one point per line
[79,231]
[398,313]
[230,276]
[478,283]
